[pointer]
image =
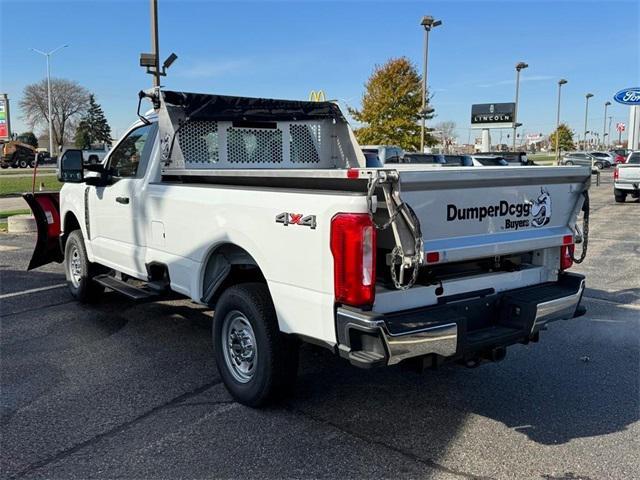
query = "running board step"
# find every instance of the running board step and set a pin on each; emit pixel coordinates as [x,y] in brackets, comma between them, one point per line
[365,359]
[126,289]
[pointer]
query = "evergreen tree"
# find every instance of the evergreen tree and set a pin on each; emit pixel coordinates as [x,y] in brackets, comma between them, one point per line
[391,107]
[29,138]
[93,128]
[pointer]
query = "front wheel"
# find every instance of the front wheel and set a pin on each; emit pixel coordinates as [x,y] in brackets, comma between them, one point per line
[79,271]
[568,162]
[256,361]
[23,163]
[598,165]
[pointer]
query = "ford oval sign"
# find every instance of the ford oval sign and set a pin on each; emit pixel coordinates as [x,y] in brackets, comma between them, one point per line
[628,96]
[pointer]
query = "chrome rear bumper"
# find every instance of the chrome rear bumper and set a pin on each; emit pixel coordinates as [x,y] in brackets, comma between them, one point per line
[459,329]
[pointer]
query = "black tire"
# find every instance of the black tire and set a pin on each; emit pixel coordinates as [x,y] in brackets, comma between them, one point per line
[274,356]
[568,162]
[22,163]
[620,196]
[598,165]
[80,283]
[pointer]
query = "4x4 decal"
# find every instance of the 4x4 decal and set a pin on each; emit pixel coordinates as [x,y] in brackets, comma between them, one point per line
[296,219]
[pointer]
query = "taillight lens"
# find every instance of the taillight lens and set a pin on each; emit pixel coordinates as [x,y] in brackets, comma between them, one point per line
[616,173]
[566,256]
[353,245]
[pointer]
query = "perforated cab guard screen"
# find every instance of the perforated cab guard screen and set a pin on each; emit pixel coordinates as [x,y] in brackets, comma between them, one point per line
[200,131]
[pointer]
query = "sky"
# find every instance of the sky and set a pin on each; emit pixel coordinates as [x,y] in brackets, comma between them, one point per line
[286,49]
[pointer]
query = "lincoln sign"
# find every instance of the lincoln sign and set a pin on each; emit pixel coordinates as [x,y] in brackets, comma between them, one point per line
[493,115]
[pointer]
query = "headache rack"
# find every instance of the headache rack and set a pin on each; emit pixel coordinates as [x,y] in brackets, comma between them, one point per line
[202,134]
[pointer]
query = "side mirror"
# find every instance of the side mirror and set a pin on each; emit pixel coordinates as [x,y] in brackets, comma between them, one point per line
[70,167]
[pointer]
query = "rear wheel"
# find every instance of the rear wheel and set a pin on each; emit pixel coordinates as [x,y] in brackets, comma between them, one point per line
[620,196]
[568,162]
[256,361]
[79,271]
[598,165]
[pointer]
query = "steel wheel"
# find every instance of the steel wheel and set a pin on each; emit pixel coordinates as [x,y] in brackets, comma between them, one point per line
[239,346]
[75,266]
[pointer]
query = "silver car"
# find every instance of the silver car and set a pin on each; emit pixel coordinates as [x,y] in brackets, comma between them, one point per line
[584,159]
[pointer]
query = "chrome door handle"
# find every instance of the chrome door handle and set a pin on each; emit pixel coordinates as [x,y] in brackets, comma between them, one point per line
[123,200]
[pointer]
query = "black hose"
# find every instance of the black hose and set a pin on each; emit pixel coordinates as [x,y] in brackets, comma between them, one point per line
[585,229]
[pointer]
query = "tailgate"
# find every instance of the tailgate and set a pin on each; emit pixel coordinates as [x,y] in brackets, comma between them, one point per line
[628,173]
[469,213]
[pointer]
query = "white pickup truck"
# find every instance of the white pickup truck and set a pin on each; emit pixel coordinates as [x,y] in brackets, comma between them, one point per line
[265,211]
[626,178]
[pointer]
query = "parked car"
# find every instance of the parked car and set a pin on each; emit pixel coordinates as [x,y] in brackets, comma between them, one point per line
[490,161]
[607,159]
[623,152]
[626,178]
[514,158]
[458,161]
[617,157]
[582,158]
[423,158]
[385,153]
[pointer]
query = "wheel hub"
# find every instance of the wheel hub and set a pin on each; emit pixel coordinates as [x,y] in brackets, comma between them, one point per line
[239,346]
[75,266]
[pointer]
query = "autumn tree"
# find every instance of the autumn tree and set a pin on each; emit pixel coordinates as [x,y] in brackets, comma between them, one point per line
[69,101]
[391,106]
[565,138]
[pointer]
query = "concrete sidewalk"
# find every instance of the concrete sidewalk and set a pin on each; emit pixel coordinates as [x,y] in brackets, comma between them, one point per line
[12,203]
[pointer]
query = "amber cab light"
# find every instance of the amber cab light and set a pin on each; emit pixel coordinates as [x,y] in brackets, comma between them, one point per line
[353,245]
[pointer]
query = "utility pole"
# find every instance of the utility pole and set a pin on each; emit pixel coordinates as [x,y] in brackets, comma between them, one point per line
[586,113]
[519,66]
[609,131]
[155,42]
[48,56]
[561,82]
[604,127]
[428,23]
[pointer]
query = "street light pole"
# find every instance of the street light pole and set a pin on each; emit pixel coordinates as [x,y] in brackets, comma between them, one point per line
[155,42]
[561,82]
[48,55]
[609,131]
[428,23]
[586,113]
[604,127]
[519,66]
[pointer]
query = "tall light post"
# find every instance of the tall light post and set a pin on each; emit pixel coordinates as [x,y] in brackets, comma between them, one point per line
[428,23]
[519,66]
[586,113]
[48,55]
[561,82]
[609,132]
[604,127]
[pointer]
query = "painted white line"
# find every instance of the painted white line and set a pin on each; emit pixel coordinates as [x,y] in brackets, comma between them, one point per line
[33,290]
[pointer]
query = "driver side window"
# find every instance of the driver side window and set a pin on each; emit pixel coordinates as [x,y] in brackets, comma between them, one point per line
[127,157]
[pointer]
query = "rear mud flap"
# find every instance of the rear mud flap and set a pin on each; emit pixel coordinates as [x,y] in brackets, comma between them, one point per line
[46,211]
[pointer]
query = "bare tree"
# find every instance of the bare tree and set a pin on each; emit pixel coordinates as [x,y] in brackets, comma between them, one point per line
[69,101]
[447,132]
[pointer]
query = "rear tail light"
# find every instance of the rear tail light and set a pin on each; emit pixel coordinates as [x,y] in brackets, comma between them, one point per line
[616,173]
[353,245]
[566,256]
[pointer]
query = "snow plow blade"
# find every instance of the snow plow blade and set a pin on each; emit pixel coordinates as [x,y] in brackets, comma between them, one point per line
[46,211]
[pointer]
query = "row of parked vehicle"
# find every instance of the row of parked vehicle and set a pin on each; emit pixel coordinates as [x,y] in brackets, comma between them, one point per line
[599,160]
[381,155]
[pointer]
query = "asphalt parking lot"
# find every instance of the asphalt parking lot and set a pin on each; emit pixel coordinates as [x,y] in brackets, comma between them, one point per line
[125,390]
